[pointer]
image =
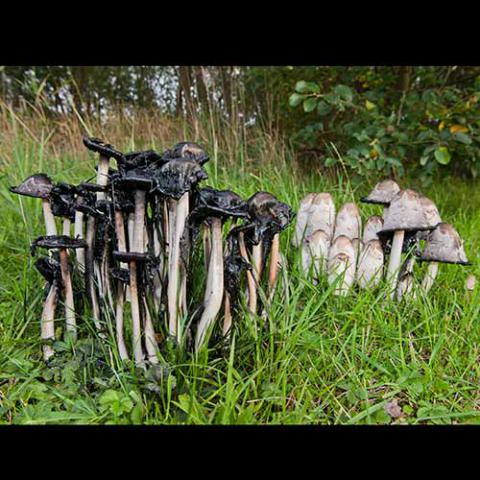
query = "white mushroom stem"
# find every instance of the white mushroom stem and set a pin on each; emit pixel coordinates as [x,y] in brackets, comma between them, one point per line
[102,175]
[66,227]
[252,289]
[394,262]
[78,233]
[150,339]
[89,268]
[430,276]
[48,320]
[227,316]
[177,215]
[274,265]
[137,246]
[50,226]
[213,294]
[257,274]
[71,324]
[119,309]
[206,244]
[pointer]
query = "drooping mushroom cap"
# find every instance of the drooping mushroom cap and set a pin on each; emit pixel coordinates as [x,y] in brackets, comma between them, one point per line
[104,149]
[266,210]
[189,150]
[411,211]
[134,179]
[372,226]
[178,176]
[348,222]
[49,268]
[219,203]
[444,245]
[37,186]
[321,214]
[57,241]
[382,193]
[62,200]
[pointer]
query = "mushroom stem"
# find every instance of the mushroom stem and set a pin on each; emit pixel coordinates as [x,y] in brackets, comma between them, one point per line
[394,262]
[206,244]
[274,265]
[227,316]
[89,272]
[71,324]
[78,233]
[50,226]
[252,289]
[213,294]
[119,309]
[102,175]
[177,214]
[66,226]
[430,276]
[150,339]
[48,320]
[256,275]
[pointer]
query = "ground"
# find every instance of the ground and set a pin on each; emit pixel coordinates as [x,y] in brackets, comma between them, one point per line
[322,359]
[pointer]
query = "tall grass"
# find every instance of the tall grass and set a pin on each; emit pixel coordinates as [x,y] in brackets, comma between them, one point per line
[323,359]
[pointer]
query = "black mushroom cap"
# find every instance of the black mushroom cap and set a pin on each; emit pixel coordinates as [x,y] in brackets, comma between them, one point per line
[121,274]
[141,159]
[104,149]
[177,177]
[91,187]
[62,200]
[123,200]
[135,179]
[190,150]
[37,186]
[219,203]
[57,241]
[269,214]
[49,268]
[131,256]
[444,245]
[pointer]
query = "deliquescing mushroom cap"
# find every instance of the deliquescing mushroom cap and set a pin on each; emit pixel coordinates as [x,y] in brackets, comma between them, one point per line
[57,241]
[135,179]
[410,211]
[131,256]
[264,205]
[37,186]
[178,176]
[382,193]
[220,203]
[444,245]
[49,268]
[105,149]
[189,150]
[62,199]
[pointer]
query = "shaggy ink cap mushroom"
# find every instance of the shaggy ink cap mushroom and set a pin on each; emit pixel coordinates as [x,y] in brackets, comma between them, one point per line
[219,203]
[178,176]
[135,179]
[57,241]
[62,200]
[49,268]
[37,186]
[189,150]
[444,245]
[105,149]
[409,211]
[382,193]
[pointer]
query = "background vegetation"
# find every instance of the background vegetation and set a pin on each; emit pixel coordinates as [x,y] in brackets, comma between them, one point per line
[360,359]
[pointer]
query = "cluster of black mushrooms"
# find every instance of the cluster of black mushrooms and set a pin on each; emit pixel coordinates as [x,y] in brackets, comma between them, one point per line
[135,231]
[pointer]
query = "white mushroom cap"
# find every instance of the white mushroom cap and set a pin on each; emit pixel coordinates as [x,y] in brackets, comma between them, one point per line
[382,193]
[321,214]
[302,219]
[348,222]
[373,225]
[411,211]
[315,251]
[444,245]
[341,263]
[370,265]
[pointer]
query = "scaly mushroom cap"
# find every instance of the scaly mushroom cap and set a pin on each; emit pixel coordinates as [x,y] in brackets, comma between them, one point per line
[268,214]
[341,261]
[315,248]
[49,268]
[411,211]
[321,214]
[444,245]
[189,150]
[37,186]
[178,176]
[302,219]
[342,244]
[104,149]
[62,200]
[382,193]
[57,241]
[370,264]
[373,225]
[348,222]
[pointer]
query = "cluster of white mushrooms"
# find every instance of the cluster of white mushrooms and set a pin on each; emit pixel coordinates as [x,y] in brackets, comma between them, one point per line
[135,232]
[333,244]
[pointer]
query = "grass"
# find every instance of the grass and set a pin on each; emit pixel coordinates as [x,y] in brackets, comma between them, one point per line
[323,359]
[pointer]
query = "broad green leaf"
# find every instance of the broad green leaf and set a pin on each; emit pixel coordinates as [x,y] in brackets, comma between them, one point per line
[463,138]
[323,108]
[302,87]
[295,99]
[344,92]
[309,104]
[442,155]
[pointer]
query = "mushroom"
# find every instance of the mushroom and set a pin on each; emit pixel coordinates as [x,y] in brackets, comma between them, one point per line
[406,280]
[321,215]
[302,219]
[341,263]
[315,252]
[214,206]
[50,270]
[408,212]
[63,243]
[372,226]
[39,186]
[174,180]
[443,245]
[189,150]
[382,194]
[348,222]
[370,264]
